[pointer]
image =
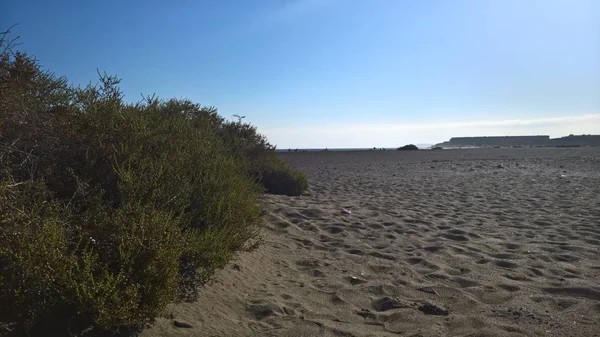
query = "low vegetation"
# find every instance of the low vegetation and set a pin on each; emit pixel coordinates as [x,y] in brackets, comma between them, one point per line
[111,210]
[409,147]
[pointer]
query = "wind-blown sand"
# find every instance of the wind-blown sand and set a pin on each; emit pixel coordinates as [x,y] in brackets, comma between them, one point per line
[495,242]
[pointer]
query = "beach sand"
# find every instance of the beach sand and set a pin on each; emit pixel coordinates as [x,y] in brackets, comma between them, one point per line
[481,242]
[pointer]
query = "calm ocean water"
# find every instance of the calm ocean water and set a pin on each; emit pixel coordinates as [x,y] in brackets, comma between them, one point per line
[335,149]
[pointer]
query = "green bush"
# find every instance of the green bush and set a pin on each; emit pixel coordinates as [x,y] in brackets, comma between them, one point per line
[34,253]
[110,210]
[270,171]
[277,177]
[285,181]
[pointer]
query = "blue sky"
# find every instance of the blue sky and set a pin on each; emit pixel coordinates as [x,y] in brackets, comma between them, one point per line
[339,73]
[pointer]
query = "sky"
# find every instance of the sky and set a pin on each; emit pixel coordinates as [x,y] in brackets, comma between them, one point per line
[338,73]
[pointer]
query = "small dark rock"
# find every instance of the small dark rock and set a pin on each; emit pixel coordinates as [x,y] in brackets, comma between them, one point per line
[388,303]
[428,290]
[432,309]
[365,313]
[356,281]
[237,267]
[180,324]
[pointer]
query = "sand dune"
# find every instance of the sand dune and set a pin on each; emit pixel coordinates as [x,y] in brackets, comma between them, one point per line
[495,242]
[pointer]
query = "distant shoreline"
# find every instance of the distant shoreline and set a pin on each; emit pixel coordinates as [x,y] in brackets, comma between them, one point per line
[522,141]
[427,149]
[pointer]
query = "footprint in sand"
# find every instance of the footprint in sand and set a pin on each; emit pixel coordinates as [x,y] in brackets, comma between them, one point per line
[537,272]
[376,226]
[382,256]
[506,264]
[505,256]
[517,277]
[509,287]
[565,258]
[281,224]
[433,249]
[454,237]
[580,292]
[263,308]
[334,229]
[422,262]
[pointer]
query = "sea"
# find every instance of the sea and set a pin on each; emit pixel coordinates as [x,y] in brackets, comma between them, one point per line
[338,149]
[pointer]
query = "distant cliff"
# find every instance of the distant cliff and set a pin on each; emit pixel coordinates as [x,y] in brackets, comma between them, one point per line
[573,140]
[506,141]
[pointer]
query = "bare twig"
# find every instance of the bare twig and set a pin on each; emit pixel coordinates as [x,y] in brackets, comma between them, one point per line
[11,148]
[7,43]
[16,184]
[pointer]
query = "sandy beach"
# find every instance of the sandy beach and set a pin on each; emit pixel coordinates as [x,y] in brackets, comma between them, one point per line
[481,242]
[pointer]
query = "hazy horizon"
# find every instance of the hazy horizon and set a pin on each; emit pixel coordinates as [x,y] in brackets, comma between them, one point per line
[334,73]
[424,145]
